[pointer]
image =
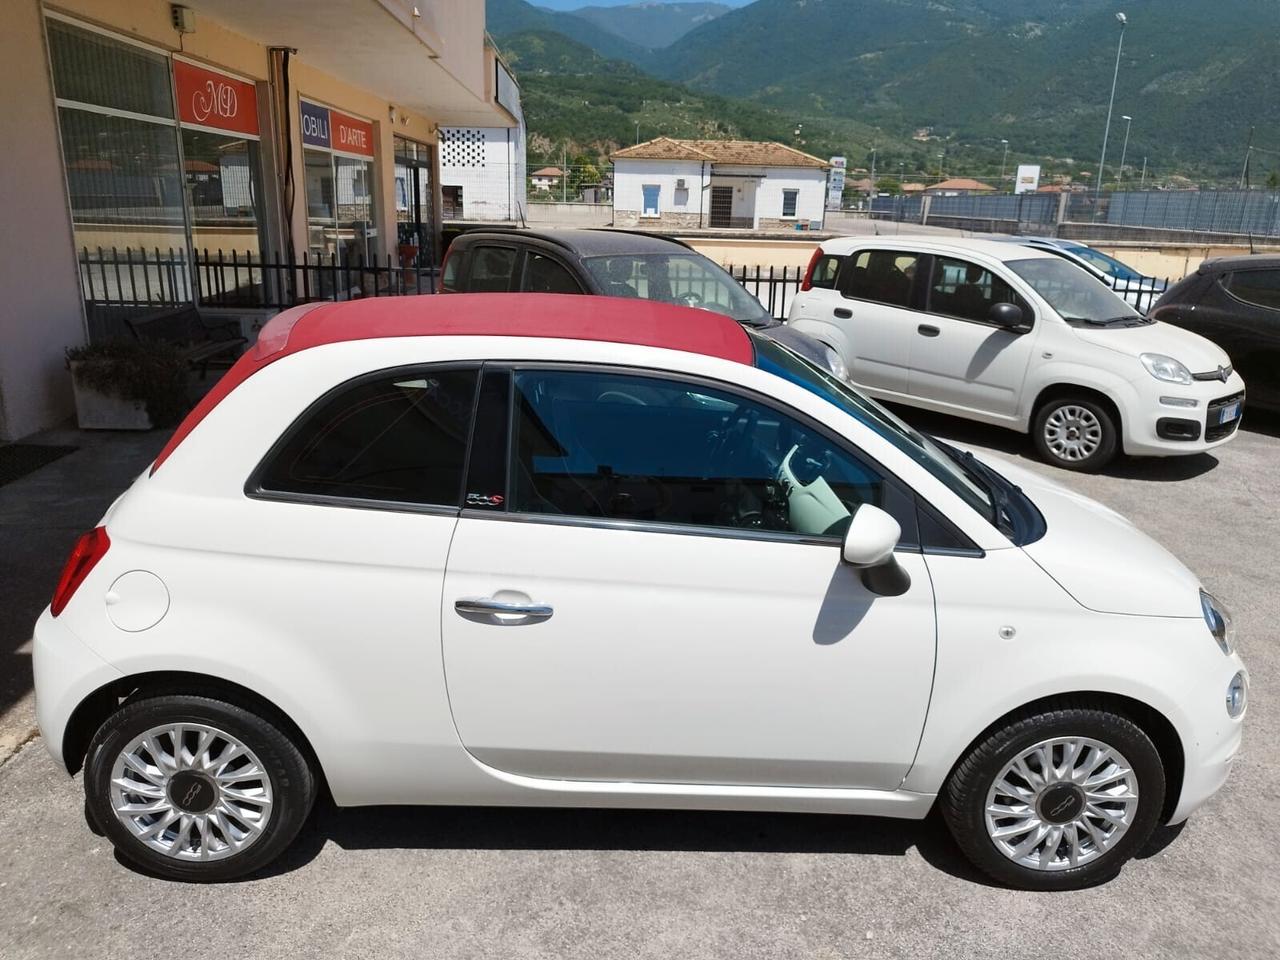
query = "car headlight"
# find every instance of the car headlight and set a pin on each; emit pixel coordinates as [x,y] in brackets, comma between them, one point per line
[1218,619]
[1165,368]
[835,362]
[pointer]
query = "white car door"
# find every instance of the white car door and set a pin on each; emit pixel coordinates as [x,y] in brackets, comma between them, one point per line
[868,318]
[960,360]
[656,597]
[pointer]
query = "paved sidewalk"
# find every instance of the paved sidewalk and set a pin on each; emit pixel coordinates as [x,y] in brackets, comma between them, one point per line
[41,515]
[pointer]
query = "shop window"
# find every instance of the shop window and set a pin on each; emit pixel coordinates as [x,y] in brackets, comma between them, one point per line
[94,69]
[223,191]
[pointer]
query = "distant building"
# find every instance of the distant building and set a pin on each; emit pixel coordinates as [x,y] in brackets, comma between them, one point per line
[958,187]
[548,178]
[912,188]
[737,184]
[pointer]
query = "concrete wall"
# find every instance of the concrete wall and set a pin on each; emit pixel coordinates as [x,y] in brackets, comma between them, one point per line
[41,313]
[488,164]
[630,176]
[811,199]
[569,214]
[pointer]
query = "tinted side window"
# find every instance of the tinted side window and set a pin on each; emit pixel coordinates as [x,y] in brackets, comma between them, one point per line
[449,278]
[962,289]
[399,437]
[544,275]
[1259,287]
[626,447]
[883,276]
[491,269]
[824,272]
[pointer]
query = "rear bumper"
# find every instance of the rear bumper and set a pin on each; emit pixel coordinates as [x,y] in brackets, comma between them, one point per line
[66,672]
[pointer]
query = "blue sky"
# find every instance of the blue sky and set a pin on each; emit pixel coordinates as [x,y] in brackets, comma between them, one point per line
[577,4]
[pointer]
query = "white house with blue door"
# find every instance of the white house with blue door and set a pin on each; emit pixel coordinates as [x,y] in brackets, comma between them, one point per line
[718,184]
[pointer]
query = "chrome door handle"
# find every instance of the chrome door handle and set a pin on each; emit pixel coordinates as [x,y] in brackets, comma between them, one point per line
[489,606]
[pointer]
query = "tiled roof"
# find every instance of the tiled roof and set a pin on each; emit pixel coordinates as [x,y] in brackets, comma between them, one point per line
[547,172]
[960,183]
[748,153]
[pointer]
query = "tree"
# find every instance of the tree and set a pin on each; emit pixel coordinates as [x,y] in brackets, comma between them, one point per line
[889,185]
[1273,179]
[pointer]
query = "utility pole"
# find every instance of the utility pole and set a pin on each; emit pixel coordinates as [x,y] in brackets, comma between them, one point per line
[1128,122]
[637,132]
[1143,184]
[564,174]
[873,169]
[1002,162]
[1244,173]
[1097,190]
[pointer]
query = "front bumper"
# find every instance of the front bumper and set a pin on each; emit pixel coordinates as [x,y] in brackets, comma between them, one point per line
[1161,430]
[66,672]
[1216,742]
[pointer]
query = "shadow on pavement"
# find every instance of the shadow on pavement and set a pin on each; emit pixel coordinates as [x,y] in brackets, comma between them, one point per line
[1017,445]
[500,828]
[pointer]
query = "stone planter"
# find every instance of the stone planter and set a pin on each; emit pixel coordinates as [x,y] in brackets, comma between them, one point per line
[105,411]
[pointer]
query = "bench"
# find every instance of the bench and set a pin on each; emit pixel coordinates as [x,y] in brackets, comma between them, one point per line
[200,341]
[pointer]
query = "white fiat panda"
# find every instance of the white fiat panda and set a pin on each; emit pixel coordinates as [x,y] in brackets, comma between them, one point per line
[1019,338]
[581,551]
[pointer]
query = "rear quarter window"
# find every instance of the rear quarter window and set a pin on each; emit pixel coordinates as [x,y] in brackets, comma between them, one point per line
[1259,287]
[825,271]
[395,437]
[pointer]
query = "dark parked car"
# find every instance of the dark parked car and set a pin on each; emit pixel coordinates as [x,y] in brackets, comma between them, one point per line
[1235,302]
[614,263]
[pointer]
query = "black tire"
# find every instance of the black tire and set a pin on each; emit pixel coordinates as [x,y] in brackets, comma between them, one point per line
[292,782]
[964,798]
[1108,444]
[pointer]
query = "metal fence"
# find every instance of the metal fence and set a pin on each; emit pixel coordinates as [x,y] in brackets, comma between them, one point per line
[1243,212]
[774,287]
[158,278]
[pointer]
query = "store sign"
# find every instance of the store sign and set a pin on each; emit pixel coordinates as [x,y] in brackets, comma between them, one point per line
[212,99]
[351,135]
[835,183]
[315,125]
[1028,180]
[322,127]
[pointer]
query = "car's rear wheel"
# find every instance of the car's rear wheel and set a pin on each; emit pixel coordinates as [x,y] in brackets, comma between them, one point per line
[1075,433]
[1056,800]
[195,788]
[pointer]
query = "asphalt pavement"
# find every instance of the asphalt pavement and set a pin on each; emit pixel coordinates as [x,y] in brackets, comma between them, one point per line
[450,882]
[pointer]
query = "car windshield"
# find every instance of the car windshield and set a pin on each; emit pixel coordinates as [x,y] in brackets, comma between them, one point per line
[688,279]
[1077,296]
[1108,265]
[778,360]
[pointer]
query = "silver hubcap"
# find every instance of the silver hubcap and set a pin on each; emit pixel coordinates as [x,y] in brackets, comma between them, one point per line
[1073,432]
[191,792]
[1062,803]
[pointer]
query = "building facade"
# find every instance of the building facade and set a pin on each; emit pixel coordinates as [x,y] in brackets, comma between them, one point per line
[482,173]
[718,184]
[167,155]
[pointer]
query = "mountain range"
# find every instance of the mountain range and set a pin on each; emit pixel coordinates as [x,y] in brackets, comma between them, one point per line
[966,74]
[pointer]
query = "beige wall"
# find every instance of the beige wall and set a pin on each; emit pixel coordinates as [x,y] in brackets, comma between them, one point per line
[752,253]
[1173,261]
[38,320]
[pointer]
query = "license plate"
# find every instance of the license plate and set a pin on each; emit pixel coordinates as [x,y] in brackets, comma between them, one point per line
[1229,412]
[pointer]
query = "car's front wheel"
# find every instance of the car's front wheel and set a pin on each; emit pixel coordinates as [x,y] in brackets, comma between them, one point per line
[196,788]
[1075,433]
[1056,800]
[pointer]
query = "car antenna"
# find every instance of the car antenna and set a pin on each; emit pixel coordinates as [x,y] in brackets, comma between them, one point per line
[1251,250]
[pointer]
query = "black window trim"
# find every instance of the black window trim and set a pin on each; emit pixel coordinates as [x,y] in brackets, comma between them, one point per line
[1028,323]
[254,490]
[906,491]
[1226,277]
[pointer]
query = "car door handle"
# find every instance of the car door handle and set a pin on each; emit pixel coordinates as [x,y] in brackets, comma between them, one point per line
[489,606]
[927,330]
[842,313]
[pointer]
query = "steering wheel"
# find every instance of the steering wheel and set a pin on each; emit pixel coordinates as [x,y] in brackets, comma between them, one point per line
[690,299]
[622,396]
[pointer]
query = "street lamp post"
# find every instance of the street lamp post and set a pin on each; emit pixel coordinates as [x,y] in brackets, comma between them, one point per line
[940,156]
[1128,121]
[873,168]
[1097,194]
[1142,184]
[1002,161]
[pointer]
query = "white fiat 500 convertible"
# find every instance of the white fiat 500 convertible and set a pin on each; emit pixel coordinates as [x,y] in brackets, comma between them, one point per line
[576,551]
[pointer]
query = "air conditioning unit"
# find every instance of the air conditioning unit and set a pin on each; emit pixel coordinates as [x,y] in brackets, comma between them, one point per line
[680,183]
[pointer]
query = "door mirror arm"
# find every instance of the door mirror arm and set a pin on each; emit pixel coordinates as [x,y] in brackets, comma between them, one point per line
[869,543]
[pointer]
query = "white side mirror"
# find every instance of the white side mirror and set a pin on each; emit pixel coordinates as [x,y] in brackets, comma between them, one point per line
[869,544]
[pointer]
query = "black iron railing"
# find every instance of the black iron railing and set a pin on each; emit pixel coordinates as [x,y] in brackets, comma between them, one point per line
[774,287]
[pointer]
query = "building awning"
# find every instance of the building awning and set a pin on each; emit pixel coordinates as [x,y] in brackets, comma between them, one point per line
[381,47]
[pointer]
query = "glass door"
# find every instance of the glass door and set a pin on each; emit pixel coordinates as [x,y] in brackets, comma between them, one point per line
[414,224]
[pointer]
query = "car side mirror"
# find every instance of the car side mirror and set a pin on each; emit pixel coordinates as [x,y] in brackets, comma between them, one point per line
[1007,315]
[869,543]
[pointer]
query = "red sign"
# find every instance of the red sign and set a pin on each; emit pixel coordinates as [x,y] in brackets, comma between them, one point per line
[349,135]
[214,99]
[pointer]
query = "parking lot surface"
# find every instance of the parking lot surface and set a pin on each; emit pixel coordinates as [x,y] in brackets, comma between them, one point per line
[454,882]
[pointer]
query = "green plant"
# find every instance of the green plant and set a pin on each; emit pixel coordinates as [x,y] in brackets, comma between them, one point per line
[149,371]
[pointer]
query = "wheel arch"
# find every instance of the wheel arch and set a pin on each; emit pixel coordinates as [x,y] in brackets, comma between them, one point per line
[95,708]
[1151,721]
[1061,389]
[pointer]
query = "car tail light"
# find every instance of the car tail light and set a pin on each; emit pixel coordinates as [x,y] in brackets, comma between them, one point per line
[807,282]
[444,271]
[89,549]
